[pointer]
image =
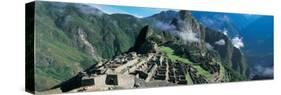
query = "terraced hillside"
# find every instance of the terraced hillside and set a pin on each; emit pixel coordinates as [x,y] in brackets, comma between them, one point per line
[81,48]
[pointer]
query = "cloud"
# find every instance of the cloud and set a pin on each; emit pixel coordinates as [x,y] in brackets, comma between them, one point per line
[185,32]
[113,10]
[209,46]
[224,32]
[237,42]
[164,26]
[220,42]
[264,71]
[90,10]
[139,12]
[189,36]
[268,72]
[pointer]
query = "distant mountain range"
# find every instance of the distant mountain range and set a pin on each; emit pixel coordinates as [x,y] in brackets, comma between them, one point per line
[232,23]
[73,37]
[256,32]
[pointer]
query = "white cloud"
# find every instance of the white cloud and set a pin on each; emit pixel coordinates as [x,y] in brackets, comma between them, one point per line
[237,42]
[90,10]
[224,32]
[164,26]
[264,71]
[220,42]
[188,36]
[186,32]
[268,71]
[209,46]
[110,10]
[182,30]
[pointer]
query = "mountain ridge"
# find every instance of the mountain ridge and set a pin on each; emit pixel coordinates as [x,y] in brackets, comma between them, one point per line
[81,40]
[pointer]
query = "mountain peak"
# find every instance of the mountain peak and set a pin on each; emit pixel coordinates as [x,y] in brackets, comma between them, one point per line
[184,14]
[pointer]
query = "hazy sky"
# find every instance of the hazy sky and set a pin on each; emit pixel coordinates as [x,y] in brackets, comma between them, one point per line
[136,11]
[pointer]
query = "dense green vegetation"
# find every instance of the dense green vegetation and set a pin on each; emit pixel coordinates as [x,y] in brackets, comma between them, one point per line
[61,52]
[56,58]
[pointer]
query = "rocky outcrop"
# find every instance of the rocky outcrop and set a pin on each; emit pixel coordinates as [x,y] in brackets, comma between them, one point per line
[87,45]
[142,44]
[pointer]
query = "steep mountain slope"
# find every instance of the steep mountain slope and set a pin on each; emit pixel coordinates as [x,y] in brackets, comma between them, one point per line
[263,37]
[72,38]
[255,32]
[231,23]
[193,61]
[204,37]
[57,59]
[259,46]
[205,41]
[220,22]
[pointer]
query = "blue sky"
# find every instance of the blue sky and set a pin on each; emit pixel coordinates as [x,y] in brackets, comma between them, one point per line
[136,11]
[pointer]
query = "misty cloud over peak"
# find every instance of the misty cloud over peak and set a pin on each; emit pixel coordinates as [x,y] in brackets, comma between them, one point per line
[220,42]
[237,42]
[185,32]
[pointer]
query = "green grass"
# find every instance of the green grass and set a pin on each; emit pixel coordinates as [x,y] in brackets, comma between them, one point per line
[170,54]
[188,78]
[222,71]
[203,72]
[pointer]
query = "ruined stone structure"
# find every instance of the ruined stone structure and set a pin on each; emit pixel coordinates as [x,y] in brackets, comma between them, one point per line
[132,70]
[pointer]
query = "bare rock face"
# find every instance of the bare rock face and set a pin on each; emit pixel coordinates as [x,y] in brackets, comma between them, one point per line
[142,44]
[87,45]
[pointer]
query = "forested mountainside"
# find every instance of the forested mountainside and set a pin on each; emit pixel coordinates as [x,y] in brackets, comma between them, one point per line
[70,38]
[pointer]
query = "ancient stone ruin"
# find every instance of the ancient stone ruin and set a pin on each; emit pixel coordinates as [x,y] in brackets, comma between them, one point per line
[132,70]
